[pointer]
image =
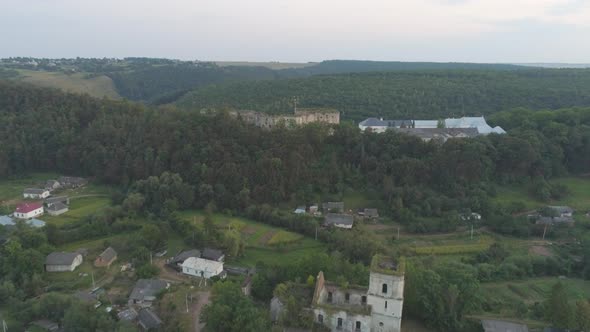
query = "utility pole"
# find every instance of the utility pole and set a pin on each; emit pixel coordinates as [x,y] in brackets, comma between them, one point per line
[544,231]
[398,232]
[471,231]
[93,284]
[4,326]
[186,301]
[316,232]
[151,260]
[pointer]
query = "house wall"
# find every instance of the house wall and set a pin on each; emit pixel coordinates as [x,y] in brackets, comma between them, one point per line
[63,268]
[196,272]
[58,212]
[386,306]
[29,215]
[45,194]
[349,320]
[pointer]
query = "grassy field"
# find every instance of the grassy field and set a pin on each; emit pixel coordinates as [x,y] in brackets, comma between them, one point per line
[12,189]
[503,299]
[79,208]
[263,242]
[100,86]
[579,197]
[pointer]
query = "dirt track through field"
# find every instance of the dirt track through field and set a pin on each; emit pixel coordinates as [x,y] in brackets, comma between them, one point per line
[202,301]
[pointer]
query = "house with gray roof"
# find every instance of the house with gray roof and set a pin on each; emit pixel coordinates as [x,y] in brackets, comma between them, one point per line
[213,255]
[106,258]
[62,261]
[57,199]
[72,182]
[333,207]
[148,320]
[128,314]
[56,209]
[176,261]
[52,185]
[35,193]
[438,134]
[146,290]
[562,211]
[339,220]
[380,125]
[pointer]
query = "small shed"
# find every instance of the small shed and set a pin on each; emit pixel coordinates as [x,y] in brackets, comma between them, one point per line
[148,320]
[108,256]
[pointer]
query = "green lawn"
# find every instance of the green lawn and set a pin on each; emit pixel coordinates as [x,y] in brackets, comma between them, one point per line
[579,197]
[79,208]
[263,242]
[12,189]
[504,297]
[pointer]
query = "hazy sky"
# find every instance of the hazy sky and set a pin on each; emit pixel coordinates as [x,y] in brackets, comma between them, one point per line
[300,30]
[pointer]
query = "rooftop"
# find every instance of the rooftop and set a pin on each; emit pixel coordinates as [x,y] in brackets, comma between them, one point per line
[212,254]
[387,265]
[202,264]
[108,254]
[147,288]
[28,207]
[149,319]
[339,219]
[61,258]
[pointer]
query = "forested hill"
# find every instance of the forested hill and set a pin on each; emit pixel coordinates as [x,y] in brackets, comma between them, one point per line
[406,94]
[356,66]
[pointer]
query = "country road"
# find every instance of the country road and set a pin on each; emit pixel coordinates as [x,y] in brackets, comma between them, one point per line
[202,301]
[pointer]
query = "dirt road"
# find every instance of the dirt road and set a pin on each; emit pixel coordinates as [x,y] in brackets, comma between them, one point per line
[202,301]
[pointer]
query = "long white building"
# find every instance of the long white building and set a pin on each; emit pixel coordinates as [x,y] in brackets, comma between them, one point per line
[479,123]
[199,267]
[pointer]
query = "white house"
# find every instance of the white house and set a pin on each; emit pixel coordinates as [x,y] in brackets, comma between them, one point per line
[479,123]
[62,261]
[35,193]
[28,210]
[199,267]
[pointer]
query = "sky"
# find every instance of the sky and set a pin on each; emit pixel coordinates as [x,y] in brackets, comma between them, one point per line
[506,31]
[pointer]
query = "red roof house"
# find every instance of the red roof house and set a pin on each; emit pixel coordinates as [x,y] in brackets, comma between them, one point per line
[28,210]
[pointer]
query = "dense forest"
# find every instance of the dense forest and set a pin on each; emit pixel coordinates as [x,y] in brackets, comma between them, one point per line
[223,158]
[405,94]
[161,81]
[164,160]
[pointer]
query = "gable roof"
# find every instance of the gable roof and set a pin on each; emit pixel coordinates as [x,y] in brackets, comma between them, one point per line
[182,256]
[202,264]
[34,191]
[108,254]
[58,206]
[148,319]
[61,258]
[28,207]
[56,199]
[339,219]
[127,314]
[147,288]
[212,254]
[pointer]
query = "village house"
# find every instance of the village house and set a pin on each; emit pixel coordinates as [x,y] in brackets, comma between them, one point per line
[440,135]
[106,258]
[339,220]
[148,320]
[35,193]
[199,267]
[410,127]
[128,314]
[28,210]
[176,261]
[49,201]
[369,213]
[213,255]
[562,211]
[52,185]
[46,325]
[62,261]
[299,210]
[146,290]
[71,182]
[374,309]
[56,209]
[334,207]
